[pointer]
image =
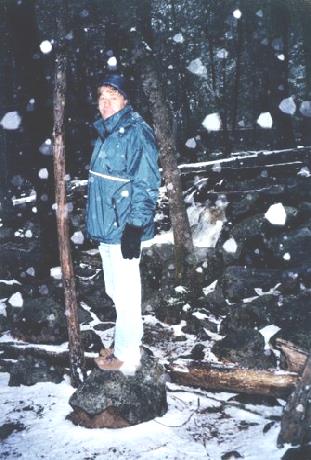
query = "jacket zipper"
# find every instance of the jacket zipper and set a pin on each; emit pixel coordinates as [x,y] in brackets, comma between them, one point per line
[114,205]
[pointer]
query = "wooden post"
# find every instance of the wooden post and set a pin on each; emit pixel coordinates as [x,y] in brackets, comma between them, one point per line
[77,371]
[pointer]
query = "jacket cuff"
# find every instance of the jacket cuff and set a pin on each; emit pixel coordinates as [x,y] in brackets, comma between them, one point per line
[135,222]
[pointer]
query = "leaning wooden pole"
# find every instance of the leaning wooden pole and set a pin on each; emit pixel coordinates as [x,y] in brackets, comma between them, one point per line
[71,306]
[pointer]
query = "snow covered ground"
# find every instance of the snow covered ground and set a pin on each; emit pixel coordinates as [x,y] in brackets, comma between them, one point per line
[197,425]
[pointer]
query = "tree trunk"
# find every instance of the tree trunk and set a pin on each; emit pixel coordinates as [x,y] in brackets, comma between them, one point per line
[153,90]
[296,420]
[75,347]
[250,381]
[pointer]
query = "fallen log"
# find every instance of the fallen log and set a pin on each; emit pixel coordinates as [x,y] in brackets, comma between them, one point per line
[295,357]
[213,377]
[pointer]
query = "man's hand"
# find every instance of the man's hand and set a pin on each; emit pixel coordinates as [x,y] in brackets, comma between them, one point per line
[130,241]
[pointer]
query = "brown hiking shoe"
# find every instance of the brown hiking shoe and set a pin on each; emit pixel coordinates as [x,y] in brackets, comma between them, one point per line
[108,363]
[104,352]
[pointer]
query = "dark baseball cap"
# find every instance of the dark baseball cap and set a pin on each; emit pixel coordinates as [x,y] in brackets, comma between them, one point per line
[116,81]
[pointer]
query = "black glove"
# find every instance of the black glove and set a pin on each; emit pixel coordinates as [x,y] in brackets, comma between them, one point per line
[130,241]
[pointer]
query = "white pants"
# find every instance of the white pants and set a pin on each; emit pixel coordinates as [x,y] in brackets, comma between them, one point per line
[123,285]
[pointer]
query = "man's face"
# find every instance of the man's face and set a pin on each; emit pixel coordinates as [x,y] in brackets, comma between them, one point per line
[110,101]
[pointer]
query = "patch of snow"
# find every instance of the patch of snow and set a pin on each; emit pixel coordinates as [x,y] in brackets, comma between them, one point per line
[178,38]
[43,173]
[305,108]
[31,271]
[265,120]
[288,105]
[191,143]
[197,68]
[276,214]
[210,288]
[200,315]
[77,237]
[46,148]
[304,172]
[16,300]
[11,121]
[273,290]
[237,14]
[267,332]
[181,289]
[212,122]
[112,63]
[10,282]
[3,309]
[56,273]
[46,47]
[222,53]
[230,245]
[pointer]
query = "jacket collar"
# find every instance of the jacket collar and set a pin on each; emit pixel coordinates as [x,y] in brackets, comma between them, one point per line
[105,127]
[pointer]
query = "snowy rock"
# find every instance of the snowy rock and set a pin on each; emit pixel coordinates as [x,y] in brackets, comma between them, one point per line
[281,57]
[265,120]
[178,38]
[276,214]
[212,122]
[31,370]
[11,121]
[196,67]
[42,320]
[288,105]
[244,346]
[305,108]
[237,283]
[112,399]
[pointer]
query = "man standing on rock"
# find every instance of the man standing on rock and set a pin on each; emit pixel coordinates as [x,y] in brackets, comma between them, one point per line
[123,188]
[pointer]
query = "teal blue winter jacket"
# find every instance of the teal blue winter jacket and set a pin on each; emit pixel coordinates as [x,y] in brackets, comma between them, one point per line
[124,177]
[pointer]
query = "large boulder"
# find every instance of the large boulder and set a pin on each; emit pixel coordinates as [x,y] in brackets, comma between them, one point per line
[30,370]
[42,320]
[112,399]
[238,283]
[245,347]
[292,248]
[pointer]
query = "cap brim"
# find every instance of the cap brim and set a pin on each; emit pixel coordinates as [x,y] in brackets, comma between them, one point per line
[106,83]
